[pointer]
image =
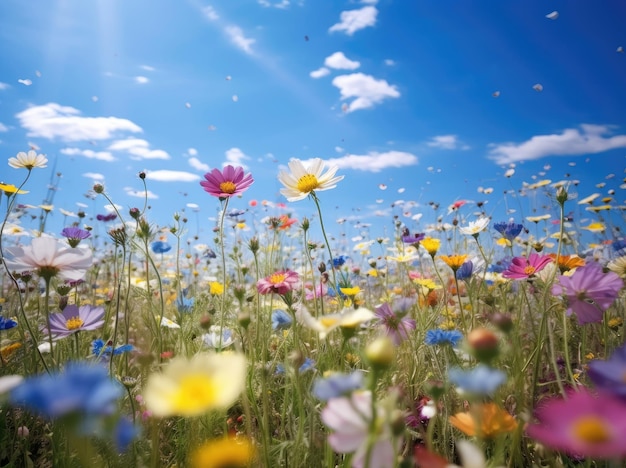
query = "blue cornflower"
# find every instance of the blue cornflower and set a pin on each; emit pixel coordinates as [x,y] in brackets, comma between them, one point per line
[619,246]
[443,337]
[508,230]
[160,247]
[184,305]
[7,323]
[281,320]
[339,261]
[479,381]
[500,265]
[337,384]
[609,375]
[466,270]
[308,364]
[81,389]
[124,433]
[98,349]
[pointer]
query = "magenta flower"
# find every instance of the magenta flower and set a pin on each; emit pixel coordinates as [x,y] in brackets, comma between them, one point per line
[589,292]
[280,282]
[227,183]
[524,268]
[74,319]
[397,325]
[582,425]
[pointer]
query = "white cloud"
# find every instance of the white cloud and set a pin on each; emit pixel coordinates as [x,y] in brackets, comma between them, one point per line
[320,72]
[148,68]
[3,128]
[374,161]
[171,176]
[210,13]
[53,120]
[366,90]
[237,37]
[282,4]
[446,142]
[140,193]
[141,79]
[94,176]
[589,139]
[138,149]
[369,2]
[236,157]
[390,62]
[4,86]
[192,152]
[339,61]
[88,153]
[198,165]
[354,20]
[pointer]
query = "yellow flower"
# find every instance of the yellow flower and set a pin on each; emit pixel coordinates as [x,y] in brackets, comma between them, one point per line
[227,452]
[431,244]
[10,189]
[353,291]
[9,350]
[454,261]
[426,283]
[191,387]
[595,227]
[536,219]
[486,420]
[216,288]
[598,208]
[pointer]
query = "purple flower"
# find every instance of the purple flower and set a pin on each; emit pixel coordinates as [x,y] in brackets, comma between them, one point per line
[508,230]
[466,270]
[397,325]
[227,183]
[412,239]
[609,375]
[106,217]
[74,319]
[589,292]
[74,235]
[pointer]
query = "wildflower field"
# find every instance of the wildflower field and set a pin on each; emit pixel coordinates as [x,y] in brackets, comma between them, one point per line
[468,341]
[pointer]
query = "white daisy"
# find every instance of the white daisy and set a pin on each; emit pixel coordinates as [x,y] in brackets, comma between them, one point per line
[302,180]
[28,160]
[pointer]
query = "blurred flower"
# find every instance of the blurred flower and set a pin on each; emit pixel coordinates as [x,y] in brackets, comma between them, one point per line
[160,247]
[350,418]
[106,217]
[80,389]
[524,268]
[567,262]
[484,420]
[301,180]
[7,323]
[589,292]
[454,261]
[475,227]
[431,244]
[227,183]
[228,452]
[167,323]
[307,365]
[11,189]
[280,282]
[443,337]
[508,230]
[414,239]
[618,266]
[74,319]
[609,375]
[28,160]
[9,382]
[74,235]
[212,338]
[281,320]
[348,319]
[98,349]
[124,433]
[466,270]
[191,387]
[582,425]
[49,257]
[479,381]
[337,384]
[216,288]
[397,326]
[339,261]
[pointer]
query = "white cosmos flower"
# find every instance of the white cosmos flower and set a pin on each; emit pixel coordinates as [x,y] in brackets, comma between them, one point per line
[28,160]
[302,180]
[49,257]
[475,227]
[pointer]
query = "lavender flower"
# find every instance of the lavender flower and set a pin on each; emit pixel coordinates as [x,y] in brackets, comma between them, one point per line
[74,319]
[397,325]
[74,235]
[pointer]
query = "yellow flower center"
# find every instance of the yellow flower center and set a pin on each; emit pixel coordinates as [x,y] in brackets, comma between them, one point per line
[228,187]
[529,270]
[277,278]
[74,323]
[328,322]
[592,429]
[307,183]
[196,393]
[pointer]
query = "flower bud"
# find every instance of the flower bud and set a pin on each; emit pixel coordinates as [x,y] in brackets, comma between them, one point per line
[380,353]
[98,188]
[483,344]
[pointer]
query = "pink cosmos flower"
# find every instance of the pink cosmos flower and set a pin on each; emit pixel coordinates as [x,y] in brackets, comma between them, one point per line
[349,417]
[524,268]
[582,425]
[280,282]
[589,292]
[227,183]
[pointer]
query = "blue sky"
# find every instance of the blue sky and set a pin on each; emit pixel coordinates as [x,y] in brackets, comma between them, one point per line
[416,101]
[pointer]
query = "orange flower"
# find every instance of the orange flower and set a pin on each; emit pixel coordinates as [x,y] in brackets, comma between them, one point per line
[454,261]
[486,420]
[568,262]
